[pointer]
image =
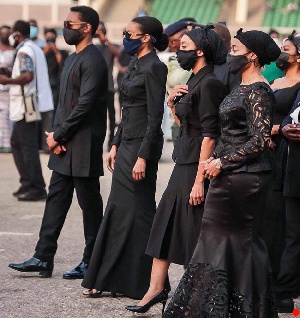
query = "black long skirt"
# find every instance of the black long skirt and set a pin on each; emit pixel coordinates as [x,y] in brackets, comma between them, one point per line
[177,224]
[118,263]
[229,274]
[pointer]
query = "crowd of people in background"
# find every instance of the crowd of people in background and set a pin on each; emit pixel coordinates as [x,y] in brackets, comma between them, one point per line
[230,211]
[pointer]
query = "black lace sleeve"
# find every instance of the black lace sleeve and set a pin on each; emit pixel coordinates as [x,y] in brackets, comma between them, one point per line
[259,122]
[118,135]
[155,80]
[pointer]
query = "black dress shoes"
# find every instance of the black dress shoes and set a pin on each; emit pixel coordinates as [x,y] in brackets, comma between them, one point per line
[33,196]
[78,272]
[285,305]
[45,269]
[19,192]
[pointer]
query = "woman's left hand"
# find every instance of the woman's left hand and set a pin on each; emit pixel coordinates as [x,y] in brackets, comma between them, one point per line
[139,169]
[210,170]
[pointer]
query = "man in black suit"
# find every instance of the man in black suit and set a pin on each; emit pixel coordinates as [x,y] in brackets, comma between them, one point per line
[287,285]
[76,145]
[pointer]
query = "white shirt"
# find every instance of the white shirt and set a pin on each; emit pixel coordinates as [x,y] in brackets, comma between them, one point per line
[40,81]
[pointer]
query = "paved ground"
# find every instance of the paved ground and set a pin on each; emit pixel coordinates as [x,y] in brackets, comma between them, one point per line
[28,296]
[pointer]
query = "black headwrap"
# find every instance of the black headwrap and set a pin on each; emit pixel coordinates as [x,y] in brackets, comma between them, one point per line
[261,44]
[295,40]
[210,43]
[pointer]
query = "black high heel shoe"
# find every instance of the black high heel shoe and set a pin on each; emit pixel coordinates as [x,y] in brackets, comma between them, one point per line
[161,297]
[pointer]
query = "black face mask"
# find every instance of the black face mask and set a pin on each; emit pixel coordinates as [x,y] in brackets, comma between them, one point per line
[4,40]
[236,62]
[282,62]
[187,59]
[72,37]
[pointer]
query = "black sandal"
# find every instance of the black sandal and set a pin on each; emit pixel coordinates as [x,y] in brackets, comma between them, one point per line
[86,292]
[97,294]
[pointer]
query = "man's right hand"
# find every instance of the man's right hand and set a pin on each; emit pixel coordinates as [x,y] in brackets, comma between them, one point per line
[59,149]
[110,160]
[292,132]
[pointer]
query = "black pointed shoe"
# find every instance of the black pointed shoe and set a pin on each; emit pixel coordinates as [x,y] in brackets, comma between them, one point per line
[77,272]
[161,297]
[20,191]
[45,269]
[33,196]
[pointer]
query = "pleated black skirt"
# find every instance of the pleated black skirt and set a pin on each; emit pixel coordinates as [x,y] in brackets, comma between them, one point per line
[229,274]
[176,225]
[118,263]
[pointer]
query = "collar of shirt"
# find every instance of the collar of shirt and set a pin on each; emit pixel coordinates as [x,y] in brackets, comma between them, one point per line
[21,44]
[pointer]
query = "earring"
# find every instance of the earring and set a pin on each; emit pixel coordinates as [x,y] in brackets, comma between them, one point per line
[298,60]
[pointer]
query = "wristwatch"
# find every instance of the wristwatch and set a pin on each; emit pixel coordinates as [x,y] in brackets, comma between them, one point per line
[218,164]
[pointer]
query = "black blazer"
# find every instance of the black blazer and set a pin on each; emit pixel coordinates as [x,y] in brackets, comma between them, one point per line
[198,112]
[292,177]
[143,90]
[80,119]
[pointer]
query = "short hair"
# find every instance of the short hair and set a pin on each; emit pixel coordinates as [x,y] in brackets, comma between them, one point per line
[188,19]
[5,27]
[224,33]
[51,30]
[33,21]
[273,31]
[89,15]
[23,27]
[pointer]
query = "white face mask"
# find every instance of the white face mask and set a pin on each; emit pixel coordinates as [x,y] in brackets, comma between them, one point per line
[12,40]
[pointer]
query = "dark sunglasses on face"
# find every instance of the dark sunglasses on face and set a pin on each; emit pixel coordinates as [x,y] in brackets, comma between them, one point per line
[128,35]
[68,24]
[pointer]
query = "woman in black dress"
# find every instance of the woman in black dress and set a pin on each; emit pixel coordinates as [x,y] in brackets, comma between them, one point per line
[229,274]
[177,222]
[285,90]
[118,263]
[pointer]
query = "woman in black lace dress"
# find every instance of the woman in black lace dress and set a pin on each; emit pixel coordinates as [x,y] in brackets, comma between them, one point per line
[229,274]
[177,222]
[118,263]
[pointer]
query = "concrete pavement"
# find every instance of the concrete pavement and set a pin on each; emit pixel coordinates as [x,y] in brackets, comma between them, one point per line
[28,296]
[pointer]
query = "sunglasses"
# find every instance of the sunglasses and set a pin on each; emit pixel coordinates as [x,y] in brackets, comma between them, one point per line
[69,24]
[128,35]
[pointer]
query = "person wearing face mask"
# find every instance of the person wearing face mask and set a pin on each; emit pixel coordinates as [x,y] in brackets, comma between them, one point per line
[29,88]
[110,52]
[76,146]
[176,75]
[34,31]
[119,263]
[55,61]
[285,90]
[279,233]
[287,284]
[6,64]
[177,221]
[229,274]
[47,111]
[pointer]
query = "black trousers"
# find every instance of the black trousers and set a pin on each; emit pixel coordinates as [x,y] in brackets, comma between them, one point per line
[24,144]
[58,202]
[288,281]
[111,116]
